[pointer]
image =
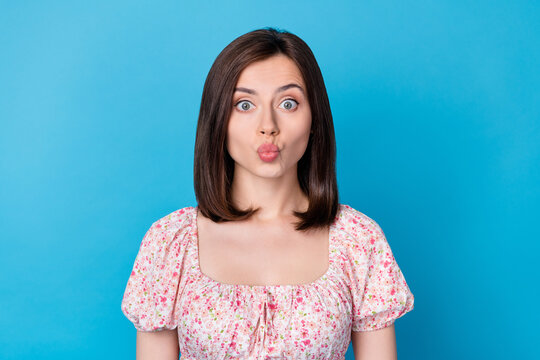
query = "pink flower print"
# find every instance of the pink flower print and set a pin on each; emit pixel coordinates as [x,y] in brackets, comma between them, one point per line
[223,319]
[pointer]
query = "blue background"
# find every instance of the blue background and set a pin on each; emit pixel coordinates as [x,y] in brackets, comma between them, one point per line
[437,119]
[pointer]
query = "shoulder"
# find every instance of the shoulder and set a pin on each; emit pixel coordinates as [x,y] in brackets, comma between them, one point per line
[168,227]
[357,225]
[150,296]
[175,220]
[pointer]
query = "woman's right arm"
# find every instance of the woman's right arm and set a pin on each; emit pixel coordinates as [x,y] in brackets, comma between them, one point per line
[158,345]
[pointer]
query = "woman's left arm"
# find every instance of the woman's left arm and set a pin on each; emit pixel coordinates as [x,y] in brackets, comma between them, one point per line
[375,344]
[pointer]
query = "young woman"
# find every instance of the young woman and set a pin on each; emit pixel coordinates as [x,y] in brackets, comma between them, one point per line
[268,265]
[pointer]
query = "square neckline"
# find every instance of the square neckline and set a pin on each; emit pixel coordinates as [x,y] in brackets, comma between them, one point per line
[321,279]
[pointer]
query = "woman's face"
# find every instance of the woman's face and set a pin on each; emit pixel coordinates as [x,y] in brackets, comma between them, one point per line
[270,106]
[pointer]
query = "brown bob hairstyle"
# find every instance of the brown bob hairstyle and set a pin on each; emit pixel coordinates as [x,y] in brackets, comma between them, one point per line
[214,167]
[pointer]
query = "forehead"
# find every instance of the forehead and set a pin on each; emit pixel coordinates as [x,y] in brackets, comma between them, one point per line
[271,72]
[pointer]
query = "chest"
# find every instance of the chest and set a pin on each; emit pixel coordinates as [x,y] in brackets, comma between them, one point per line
[241,316]
[254,255]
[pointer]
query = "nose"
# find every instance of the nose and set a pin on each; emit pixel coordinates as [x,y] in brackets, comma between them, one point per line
[268,125]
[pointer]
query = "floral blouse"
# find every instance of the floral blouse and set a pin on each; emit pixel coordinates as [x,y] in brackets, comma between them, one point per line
[362,290]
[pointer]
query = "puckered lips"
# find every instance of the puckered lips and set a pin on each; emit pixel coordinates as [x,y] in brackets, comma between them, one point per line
[268,152]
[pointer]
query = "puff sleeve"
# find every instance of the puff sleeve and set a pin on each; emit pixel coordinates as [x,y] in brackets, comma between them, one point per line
[379,290]
[150,296]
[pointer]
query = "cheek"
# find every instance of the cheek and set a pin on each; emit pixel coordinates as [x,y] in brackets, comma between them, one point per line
[299,130]
[236,137]
[299,144]
[298,139]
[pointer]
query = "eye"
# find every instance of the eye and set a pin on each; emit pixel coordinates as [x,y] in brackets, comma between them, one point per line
[243,105]
[290,104]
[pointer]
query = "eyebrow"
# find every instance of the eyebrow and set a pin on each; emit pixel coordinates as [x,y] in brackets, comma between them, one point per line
[279,89]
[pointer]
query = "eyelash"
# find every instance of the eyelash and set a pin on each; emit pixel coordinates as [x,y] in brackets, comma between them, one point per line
[241,101]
